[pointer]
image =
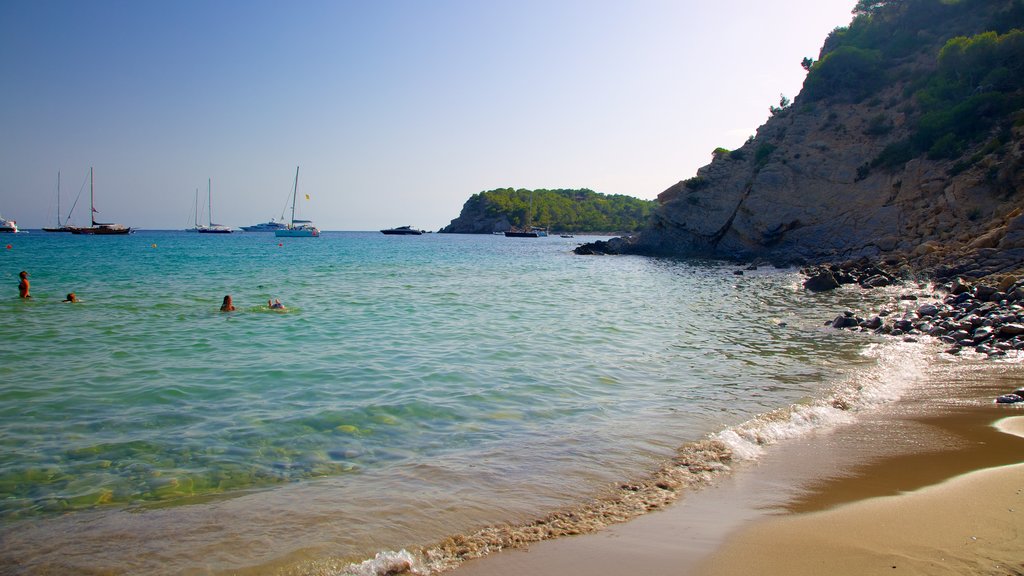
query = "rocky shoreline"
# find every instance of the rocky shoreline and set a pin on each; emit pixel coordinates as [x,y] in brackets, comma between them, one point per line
[986,318]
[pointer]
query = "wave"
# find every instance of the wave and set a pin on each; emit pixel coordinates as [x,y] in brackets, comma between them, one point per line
[897,368]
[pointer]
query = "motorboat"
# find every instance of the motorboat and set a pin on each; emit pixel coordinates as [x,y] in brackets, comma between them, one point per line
[9,226]
[402,231]
[271,226]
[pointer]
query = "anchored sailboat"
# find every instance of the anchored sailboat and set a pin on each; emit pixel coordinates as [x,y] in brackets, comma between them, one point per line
[298,228]
[99,228]
[60,227]
[212,228]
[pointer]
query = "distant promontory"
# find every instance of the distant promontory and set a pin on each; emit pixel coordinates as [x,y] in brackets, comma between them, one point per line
[577,211]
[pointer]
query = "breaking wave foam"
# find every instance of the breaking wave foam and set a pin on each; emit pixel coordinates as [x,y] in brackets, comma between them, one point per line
[897,367]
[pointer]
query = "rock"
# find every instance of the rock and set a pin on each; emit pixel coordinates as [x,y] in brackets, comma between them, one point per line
[928,310]
[822,281]
[845,321]
[1010,330]
[1009,399]
[984,293]
[983,333]
[958,286]
[873,324]
[877,281]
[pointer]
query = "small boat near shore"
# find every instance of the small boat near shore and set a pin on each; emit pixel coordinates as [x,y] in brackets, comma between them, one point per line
[402,231]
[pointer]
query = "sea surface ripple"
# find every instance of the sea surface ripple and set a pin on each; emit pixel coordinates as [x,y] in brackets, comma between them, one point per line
[415,387]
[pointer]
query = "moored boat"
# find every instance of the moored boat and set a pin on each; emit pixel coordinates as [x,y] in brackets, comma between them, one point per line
[402,231]
[271,226]
[8,226]
[210,227]
[297,228]
[60,227]
[532,232]
[99,228]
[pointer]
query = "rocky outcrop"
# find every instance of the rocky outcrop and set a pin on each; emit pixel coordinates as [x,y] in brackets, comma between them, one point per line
[807,189]
[476,219]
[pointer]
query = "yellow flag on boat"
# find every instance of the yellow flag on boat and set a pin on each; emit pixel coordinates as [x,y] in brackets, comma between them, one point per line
[307,196]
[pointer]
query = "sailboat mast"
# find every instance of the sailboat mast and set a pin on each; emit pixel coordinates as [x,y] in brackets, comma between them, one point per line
[58,198]
[195,205]
[295,193]
[92,200]
[209,199]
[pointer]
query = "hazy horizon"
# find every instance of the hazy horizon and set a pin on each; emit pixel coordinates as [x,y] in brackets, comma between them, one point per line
[397,112]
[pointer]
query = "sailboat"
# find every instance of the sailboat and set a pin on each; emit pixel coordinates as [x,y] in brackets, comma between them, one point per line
[297,228]
[99,228]
[527,231]
[60,227]
[212,228]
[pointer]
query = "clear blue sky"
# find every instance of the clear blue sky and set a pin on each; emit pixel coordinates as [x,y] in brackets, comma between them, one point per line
[397,111]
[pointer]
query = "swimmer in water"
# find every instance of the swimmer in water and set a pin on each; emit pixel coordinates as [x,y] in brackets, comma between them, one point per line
[275,305]
[71,298]
[227,306]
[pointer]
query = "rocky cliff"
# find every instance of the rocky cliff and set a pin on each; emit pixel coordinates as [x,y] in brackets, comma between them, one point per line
[852,172]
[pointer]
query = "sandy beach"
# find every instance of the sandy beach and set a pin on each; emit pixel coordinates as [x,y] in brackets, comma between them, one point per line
[917,487]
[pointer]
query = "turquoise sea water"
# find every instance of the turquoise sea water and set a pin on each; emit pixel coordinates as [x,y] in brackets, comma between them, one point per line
[415,388]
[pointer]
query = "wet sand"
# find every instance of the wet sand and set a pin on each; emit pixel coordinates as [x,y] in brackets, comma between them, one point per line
[925,485]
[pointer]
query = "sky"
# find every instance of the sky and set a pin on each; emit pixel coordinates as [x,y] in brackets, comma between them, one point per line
[395,111]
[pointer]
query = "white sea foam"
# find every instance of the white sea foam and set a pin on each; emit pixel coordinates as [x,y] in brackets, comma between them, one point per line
[384,563]
[898,366]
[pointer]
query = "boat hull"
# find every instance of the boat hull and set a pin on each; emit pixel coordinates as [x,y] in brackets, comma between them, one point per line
[103,231]
[263,228]
[297,233]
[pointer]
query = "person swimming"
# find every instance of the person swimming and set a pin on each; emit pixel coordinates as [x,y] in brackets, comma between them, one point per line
[71,298]
[227,306]
[275,305]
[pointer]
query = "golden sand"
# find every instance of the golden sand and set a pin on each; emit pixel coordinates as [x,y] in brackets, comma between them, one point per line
[917,488]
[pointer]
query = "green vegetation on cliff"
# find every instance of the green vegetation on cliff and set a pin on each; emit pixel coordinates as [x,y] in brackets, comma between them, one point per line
[561,210]
[973,90]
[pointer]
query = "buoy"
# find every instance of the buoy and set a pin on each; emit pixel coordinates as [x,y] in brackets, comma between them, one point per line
[154,245]
[8,246]
[279,244]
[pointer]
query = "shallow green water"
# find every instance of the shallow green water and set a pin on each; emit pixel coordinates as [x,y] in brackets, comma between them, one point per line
[409,376]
